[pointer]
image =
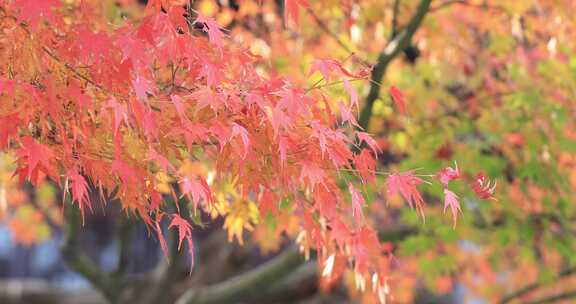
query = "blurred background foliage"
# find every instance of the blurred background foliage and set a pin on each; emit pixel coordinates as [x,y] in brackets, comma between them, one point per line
[490,85]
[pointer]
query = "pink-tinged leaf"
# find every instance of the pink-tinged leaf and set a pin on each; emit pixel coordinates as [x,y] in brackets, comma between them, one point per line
[324,66]
[197,191]
[7,86]
[291,9]
[483,188]
[179,105]
[327,67]
[325,202]
[75,93]
[451,200]
[404,183]
[156,201]
[312,174]
[8,129]
[176,14]
[353,94]
[448,174]
[120,113]
[211,27]
[205,97]
[398,99]
[347,115]
[142,86]
[79,190]
[320,132]
[162,161]
[357,202]
[184,233]
[213,75]
[279,120]
[365,137]
[149,123]
[340,233]
[238,130]
[125,172]
[366,166]
[282,147]
[33,11]
[161,238]
[267,204]
[37,156]
[91,46]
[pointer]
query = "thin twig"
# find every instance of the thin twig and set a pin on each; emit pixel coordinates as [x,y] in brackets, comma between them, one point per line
[71,68]
[465,3]
[324,27]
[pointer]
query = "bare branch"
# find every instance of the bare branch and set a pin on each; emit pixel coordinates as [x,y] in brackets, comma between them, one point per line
[246,284]
[531,287]
[555,298]
[393,48]
[465,3]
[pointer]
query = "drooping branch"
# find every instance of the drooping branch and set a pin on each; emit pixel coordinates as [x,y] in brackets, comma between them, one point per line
[246,284]
[531,287]
[393,48]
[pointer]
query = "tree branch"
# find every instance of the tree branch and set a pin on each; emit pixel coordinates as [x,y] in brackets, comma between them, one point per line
[324,27]
[393,48]
[395,13]
[554,298]
[125,232]
[246,284]
[531,287]
[465,3]
[35,291]
[72,254]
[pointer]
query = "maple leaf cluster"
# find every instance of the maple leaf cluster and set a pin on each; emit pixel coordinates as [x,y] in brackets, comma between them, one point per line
[111,110]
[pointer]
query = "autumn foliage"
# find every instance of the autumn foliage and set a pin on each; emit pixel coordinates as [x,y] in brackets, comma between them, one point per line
[149,110]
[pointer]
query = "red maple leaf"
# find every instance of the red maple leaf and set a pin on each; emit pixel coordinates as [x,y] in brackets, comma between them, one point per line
[483,188]
[357,202]
[196,190]
[398,99]
[79,190]
[184,232]
[448,174]
[366,166]
[451,200]
[312,173]
[8,128]
[37,156]
[404,183]
[291,9]
[365,137]
[238,130]
[33,11]
[211,27]
[328,67]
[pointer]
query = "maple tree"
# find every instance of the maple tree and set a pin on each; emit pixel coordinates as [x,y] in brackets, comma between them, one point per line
[167,115]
